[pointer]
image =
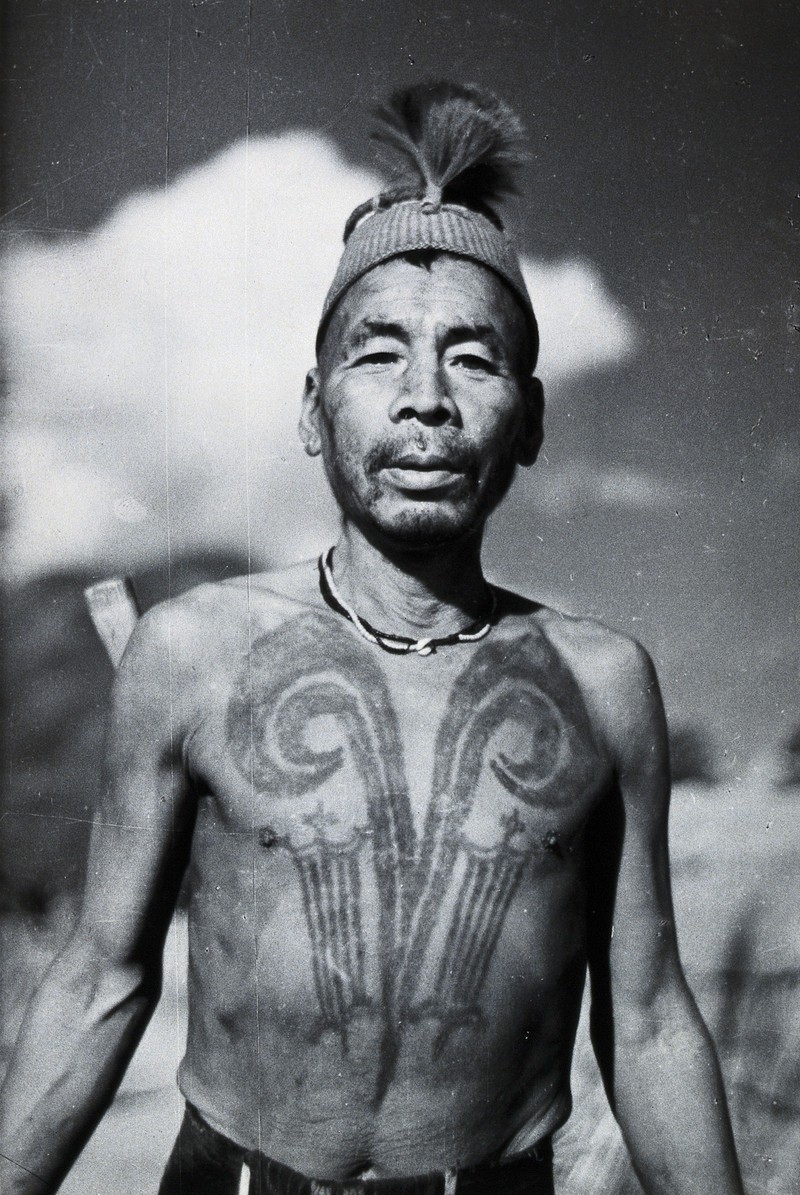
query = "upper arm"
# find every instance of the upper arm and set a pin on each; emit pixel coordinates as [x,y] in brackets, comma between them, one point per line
[142,826]
[633,951]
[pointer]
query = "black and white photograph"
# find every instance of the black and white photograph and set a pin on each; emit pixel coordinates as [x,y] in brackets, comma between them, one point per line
[400,571]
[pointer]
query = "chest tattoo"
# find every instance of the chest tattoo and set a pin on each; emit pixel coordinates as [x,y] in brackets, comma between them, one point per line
[305,673]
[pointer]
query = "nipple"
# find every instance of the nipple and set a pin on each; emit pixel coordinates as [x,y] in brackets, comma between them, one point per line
[552,843]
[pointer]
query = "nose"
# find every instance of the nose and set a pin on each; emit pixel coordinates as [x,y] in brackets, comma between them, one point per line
[423,393]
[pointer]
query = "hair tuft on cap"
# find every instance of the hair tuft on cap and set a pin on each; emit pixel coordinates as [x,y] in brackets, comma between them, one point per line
[451,143]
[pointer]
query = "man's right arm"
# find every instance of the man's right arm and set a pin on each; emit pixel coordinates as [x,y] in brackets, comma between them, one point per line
[91,1010]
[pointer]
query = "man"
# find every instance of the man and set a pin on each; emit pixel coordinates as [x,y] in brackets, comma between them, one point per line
[404,845]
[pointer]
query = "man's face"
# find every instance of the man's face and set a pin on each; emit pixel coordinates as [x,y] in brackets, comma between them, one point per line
[419,405]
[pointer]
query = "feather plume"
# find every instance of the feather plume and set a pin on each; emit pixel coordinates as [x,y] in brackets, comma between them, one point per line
[451,142]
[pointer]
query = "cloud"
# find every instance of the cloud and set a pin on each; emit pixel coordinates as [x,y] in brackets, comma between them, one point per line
[783,466]
[156,363]
[634,488]
[581,327]
[590,483]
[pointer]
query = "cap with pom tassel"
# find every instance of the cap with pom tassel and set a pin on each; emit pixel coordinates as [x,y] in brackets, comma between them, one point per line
[457,148]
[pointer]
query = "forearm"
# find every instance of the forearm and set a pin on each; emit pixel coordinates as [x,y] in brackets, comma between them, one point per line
[76,1040]
[670,1103]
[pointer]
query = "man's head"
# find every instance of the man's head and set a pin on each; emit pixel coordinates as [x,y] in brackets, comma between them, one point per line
[422,403]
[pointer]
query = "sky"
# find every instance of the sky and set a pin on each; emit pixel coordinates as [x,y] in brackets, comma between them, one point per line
[177,178]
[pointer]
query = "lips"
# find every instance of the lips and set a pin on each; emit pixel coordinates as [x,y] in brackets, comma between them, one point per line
[420,467]
[412,472]
[426,463]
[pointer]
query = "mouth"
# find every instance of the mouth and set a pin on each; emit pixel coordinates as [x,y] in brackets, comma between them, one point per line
[418,472]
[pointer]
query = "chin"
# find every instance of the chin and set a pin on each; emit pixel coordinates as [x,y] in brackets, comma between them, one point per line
[421,529]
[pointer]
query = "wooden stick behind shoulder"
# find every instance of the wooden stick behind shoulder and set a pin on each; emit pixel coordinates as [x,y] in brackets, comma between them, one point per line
[114,610]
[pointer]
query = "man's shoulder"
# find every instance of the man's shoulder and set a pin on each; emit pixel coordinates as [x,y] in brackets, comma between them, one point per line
[588,646]
[613,670]
[618,685]
[219,618]
[596,649]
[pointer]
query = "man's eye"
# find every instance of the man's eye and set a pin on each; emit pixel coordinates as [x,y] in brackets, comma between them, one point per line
[469,361]
[378,358]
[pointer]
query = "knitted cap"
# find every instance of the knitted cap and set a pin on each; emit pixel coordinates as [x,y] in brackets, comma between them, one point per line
[459,148]
[417,224]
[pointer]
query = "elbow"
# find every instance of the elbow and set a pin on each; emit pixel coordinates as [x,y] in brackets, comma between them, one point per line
[666,1032]
[666,1011]
[125,987]
[649,1030]
[104,988]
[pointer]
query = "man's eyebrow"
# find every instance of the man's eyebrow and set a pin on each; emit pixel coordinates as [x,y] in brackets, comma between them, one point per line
[366,329]
[455,334]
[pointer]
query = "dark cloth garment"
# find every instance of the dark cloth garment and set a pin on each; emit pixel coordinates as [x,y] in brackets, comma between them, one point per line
[204,1162]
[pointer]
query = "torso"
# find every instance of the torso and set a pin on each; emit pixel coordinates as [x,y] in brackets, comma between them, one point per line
[387,945]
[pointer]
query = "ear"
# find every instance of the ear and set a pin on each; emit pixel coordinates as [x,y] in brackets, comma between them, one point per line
[309,414]
[533,422]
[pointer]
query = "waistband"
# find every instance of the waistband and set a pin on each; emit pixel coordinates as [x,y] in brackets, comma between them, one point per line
[526,1173]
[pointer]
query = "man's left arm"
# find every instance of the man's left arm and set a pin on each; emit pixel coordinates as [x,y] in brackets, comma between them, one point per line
[656,1056]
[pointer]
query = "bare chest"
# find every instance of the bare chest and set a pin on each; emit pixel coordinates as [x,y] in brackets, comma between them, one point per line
[323,738]
[400,788]
[398,820]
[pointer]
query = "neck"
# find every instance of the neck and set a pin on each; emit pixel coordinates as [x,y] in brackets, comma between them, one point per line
[420,593]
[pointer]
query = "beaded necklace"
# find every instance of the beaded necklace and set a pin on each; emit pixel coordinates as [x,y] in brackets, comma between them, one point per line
[399,644]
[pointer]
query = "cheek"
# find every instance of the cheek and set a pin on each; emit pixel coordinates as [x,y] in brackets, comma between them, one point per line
[344,446]
[346,410]
[497,430]
[338,428]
